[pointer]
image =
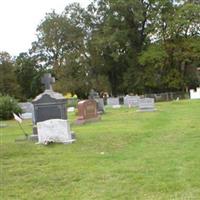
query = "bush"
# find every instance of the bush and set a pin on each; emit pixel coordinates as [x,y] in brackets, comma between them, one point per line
[8,105]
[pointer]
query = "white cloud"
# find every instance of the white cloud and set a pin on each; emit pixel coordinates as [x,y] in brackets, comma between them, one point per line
[20,18]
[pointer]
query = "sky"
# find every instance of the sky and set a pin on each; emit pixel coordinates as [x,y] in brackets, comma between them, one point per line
[20,18]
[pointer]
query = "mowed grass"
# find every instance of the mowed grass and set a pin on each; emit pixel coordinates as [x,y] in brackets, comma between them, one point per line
[127,155]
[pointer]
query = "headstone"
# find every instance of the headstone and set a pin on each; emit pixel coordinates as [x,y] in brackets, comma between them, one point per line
[28,111]
[70,109]
[116,106]
[111,101]
[54,130]
[100,105]
[195,94]
[49,105]
[131,101]
[93,94]
[146,105]
[87,112]
[100,102]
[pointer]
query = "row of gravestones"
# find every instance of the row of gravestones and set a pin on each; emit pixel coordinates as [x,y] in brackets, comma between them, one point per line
[42,112]
[49,112]
[144,104]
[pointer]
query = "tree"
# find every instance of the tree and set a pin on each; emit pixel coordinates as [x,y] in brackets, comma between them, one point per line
[117,36]
[28,74]
[8,82]
[121,46]
[60,46]
[170,61]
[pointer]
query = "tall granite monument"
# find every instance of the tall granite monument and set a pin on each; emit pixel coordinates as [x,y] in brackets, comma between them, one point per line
[49,104]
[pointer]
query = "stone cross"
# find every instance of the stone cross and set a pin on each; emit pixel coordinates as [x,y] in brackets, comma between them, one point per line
[47,80]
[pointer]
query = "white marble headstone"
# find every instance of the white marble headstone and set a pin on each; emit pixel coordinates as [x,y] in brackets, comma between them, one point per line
[70,109]
[195,94]
[131,100]
[146,104]
[113,101]
[54,130]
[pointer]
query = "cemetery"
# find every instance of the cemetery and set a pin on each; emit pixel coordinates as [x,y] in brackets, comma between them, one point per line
[103,103]
[152,154]
[148,148]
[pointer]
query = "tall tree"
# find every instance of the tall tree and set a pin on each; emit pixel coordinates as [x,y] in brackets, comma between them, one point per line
[170,63]
[116,40]
[57,37]
[8,82]
[28,74]
[60,46]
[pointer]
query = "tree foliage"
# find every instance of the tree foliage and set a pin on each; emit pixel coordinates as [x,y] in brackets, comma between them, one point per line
[117,46]
[28,74]
[8,82]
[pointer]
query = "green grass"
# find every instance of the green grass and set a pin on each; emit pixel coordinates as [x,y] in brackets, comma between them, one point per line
[146,156]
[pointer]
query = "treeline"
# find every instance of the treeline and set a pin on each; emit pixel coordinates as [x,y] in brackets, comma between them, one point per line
[117,46]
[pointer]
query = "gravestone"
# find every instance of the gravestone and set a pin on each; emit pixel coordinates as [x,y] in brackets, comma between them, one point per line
[146,105]
[28,111]
[131,101]
[114,102]
[100,102]
[49,104]
[195,94]
[54,130]
[87,112]
[100,105]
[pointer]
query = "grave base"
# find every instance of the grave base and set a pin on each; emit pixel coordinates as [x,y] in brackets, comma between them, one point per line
[34,137]
[84,121]
[147,110]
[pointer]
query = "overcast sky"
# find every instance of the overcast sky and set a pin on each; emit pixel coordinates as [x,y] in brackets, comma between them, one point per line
[20,18]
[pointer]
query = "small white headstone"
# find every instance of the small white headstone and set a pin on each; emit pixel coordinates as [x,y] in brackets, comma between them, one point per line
[54,130]
[116,106]
[70,109]
[195,94]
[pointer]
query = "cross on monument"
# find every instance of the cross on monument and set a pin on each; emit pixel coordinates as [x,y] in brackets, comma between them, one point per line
[47,80]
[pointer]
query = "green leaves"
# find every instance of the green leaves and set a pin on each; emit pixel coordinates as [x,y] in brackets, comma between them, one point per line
[115,45]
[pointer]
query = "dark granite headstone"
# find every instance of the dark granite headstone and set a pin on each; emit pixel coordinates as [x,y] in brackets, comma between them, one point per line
[49,104]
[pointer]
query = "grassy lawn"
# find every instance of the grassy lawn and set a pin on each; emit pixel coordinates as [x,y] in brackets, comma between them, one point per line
[127,155]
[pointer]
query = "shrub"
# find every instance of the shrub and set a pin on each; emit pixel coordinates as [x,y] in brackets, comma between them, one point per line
[8,105]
